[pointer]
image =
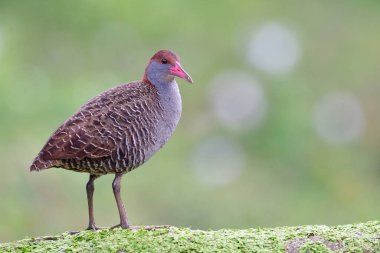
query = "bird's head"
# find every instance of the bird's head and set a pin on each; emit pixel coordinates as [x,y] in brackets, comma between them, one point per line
[163,67]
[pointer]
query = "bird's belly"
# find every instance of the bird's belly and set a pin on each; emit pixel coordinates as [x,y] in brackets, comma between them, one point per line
[97,166]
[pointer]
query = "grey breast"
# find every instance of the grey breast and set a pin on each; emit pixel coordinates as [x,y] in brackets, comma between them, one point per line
[171,104]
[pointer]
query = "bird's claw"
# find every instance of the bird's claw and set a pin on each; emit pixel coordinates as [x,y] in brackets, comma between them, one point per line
[124,226]
[93,227]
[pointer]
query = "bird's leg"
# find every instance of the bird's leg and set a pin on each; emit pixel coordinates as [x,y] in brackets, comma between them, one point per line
[90,191]
[119,201]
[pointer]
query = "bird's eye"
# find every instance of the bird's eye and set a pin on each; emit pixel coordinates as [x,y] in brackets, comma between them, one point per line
[164,61]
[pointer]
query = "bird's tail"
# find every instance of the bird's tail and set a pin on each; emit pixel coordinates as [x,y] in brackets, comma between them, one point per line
[40,164]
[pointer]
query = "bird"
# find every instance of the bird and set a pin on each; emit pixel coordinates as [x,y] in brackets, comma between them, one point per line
[119,129]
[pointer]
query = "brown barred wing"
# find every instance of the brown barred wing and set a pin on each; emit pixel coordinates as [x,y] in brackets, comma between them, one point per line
[107,130]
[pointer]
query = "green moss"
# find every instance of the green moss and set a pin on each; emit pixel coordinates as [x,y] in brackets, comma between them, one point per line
[364,237]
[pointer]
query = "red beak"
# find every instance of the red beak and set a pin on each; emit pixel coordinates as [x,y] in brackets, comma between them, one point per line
[177,70]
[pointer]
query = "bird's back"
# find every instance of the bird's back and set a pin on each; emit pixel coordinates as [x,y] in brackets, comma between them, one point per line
[114,132]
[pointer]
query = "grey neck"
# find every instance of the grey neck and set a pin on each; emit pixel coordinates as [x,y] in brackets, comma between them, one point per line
[166,85]
[169,95]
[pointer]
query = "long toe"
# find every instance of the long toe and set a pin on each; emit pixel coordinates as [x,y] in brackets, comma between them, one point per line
[92,227]
[116,226]
[124,226]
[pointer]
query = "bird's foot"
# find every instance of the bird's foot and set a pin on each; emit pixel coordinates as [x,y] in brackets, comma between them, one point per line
[90,227]
[93,227]
[123,226]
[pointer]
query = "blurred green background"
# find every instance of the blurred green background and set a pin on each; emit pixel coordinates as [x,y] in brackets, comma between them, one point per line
[280,128]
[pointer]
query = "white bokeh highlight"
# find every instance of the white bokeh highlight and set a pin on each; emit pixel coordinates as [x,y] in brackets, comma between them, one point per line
[238,100]
[339,118]
[274,49]
[218,161]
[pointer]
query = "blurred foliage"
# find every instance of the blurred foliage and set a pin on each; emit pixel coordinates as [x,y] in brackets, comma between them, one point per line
[56,55]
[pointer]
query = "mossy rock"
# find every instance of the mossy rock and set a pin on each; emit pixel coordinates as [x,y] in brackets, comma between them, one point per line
[363,237]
